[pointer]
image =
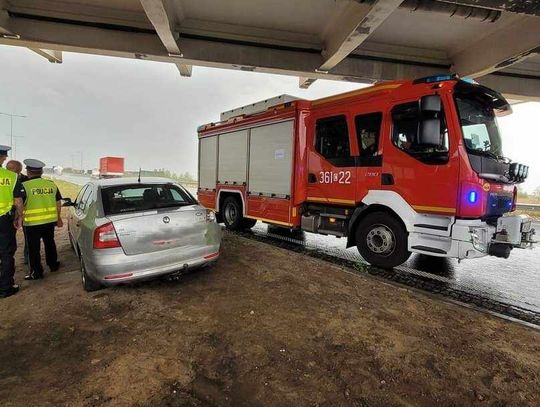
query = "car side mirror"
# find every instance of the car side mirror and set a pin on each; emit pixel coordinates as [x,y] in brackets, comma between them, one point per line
[67,202]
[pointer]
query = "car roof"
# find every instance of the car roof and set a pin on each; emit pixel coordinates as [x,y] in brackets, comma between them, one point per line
[106,182]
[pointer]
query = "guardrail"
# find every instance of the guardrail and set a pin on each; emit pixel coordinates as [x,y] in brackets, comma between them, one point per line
[528,207]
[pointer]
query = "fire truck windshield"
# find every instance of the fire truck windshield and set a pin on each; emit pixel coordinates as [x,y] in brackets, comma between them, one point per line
[478,107]
[479,126]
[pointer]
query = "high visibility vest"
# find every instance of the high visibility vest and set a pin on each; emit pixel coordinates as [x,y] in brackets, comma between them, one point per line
[40,204]
[8,180]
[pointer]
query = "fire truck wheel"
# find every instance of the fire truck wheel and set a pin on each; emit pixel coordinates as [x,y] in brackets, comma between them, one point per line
[232,213]
[381,240]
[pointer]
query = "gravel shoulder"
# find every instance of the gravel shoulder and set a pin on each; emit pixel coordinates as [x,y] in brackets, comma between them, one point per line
[264,326]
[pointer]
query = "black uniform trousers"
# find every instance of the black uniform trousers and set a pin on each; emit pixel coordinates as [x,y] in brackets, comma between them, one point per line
[34,234]
[8,246]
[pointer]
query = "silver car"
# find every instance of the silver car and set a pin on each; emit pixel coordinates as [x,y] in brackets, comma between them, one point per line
[124,230]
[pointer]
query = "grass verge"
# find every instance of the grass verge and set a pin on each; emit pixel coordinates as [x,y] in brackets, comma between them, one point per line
[67,189]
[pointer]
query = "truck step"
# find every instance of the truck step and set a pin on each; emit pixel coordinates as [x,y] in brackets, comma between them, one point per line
[429,249]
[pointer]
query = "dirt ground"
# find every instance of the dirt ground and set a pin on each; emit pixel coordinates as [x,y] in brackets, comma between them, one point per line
[263,327]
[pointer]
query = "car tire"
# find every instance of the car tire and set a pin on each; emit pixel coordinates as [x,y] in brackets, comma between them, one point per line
[231,211]
[87,282]
[381,240]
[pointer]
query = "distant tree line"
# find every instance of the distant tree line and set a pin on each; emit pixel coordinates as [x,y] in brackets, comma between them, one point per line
[525,194]
[162,172]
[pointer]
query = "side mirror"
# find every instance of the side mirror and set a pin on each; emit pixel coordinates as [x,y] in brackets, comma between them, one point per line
[430,103]
[430,133]
[67,202]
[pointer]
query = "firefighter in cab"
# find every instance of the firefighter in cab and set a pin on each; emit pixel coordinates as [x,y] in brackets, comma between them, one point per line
[10,220]
[42,205]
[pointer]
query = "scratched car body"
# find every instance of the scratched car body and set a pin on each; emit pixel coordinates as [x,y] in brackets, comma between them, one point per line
[125,230]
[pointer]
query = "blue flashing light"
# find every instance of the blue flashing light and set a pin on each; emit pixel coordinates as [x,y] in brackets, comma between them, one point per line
[439,78]
[436,78]
[472,197]
[469,80]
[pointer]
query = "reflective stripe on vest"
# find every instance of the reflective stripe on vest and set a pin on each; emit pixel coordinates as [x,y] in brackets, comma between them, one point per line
[8,180]
[40,204]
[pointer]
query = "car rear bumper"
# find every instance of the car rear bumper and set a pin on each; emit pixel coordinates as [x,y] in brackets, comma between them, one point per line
[113,266]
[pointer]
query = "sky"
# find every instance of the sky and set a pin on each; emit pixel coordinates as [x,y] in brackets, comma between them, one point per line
[146,112]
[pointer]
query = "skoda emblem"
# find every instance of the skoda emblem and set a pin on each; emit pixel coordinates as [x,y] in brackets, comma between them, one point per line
[166,219]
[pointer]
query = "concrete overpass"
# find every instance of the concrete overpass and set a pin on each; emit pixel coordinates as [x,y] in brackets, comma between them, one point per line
[495,41]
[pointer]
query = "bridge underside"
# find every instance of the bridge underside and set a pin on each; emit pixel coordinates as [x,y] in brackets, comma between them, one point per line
[496,42]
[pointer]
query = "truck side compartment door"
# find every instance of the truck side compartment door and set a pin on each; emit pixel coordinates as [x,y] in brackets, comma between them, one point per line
[331,162]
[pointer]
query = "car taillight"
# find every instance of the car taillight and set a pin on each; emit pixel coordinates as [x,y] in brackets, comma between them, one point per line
[105,237]
[210,216]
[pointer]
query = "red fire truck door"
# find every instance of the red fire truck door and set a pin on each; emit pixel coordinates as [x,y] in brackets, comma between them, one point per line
[331,162]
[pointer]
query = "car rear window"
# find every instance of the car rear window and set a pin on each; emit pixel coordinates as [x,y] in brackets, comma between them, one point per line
[142,197]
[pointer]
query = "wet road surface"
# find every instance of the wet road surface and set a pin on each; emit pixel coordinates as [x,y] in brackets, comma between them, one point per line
[509,286]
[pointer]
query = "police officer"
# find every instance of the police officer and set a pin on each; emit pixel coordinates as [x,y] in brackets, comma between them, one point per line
[41,215]
[9,196]
[17,167]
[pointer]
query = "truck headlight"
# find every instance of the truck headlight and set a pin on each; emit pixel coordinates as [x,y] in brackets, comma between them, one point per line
[512,171]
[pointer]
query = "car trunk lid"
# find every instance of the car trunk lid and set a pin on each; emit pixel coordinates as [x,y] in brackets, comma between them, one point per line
[160,229]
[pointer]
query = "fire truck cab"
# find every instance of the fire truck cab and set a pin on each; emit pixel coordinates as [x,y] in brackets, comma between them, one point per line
[398,167]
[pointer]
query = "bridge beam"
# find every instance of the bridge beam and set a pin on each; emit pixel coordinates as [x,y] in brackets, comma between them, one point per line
[247,57]
[52,56]
[500,49]
[164,16]
[349,30]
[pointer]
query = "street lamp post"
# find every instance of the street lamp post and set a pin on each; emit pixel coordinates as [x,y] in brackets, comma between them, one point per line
[15,146]
[81,153]
[11,115]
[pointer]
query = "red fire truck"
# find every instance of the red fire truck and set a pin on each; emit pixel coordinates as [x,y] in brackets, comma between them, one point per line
[399,167]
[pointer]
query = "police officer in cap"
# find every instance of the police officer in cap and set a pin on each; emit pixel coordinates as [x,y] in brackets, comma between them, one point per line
[10,197]
[41,214]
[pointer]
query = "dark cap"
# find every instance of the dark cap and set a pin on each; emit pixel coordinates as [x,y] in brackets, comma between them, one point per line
[4,149]
[34,165]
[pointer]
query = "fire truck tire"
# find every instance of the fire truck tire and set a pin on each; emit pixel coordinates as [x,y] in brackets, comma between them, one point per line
[381,240]
[232,213]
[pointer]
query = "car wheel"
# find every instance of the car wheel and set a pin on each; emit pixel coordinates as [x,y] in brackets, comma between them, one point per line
[381,240]
[232,213]
[87,282]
